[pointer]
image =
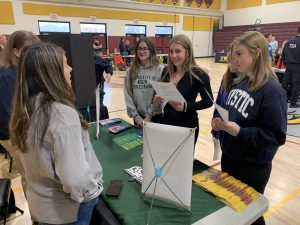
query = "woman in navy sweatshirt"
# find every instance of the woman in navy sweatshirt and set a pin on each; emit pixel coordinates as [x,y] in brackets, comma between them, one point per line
[190,80]
[257,115]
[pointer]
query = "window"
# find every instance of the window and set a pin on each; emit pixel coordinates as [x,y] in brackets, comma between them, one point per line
[54,27]
[164,31]
[135,29]
[92,28]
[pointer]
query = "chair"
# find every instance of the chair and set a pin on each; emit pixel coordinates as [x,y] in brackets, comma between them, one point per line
[8,156]
[5,191]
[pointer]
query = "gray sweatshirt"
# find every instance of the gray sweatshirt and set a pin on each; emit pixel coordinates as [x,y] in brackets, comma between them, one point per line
[139,100]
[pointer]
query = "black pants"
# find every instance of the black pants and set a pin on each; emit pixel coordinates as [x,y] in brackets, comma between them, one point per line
[292,78]
[255,175]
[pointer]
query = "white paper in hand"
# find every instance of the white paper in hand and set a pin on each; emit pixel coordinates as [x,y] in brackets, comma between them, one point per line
[167,91]
[223,112]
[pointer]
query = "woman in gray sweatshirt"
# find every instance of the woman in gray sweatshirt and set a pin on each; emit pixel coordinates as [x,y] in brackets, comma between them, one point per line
[138,90]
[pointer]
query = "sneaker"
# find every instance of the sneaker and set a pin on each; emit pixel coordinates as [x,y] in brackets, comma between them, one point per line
[295,105]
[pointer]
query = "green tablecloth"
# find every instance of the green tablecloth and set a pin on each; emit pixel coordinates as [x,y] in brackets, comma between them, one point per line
[131,207]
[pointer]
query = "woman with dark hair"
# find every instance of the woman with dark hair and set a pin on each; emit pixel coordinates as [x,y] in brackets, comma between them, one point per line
[122,47]
[63,174]
[137,90]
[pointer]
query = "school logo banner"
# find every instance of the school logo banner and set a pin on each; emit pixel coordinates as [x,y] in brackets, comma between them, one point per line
[189,2]
[199,3]
[208,3]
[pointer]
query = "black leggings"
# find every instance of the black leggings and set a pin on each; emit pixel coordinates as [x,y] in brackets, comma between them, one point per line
[255,175]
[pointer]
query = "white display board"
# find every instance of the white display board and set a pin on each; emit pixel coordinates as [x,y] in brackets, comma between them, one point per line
[168,150]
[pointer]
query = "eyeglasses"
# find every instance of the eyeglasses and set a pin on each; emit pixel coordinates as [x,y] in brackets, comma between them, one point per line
[143,49]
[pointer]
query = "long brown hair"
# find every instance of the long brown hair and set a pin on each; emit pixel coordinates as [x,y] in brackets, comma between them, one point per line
[189,64]
[136,65]
[41,70]
[17,40]
[261,70]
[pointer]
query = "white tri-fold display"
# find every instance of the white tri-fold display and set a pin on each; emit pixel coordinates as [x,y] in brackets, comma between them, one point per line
[168,163]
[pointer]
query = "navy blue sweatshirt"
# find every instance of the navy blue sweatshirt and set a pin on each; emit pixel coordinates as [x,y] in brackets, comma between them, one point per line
[262,116]
[7,86]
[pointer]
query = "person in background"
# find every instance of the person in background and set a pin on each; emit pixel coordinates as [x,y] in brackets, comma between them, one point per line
[226,83]
[102,65]
[122,47]
[127,47]
[257,109]
[128,51]
[3,41]
[274,46]
[291,60]
[63,173]
[138,90]
[8,75]
[269,38]
[97,46]
[190,80]
[279,64]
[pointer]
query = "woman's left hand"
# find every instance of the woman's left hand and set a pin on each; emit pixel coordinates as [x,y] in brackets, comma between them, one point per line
[231,128]
[177,105]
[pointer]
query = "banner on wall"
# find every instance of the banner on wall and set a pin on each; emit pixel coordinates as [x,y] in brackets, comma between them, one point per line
[199,3]
[208,3]
[189,2]
[174,2]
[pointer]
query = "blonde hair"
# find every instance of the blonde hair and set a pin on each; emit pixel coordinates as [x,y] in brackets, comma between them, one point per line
[227,78]
[136,65]
[189,64]
[40,70]
[261,70]
[17,40]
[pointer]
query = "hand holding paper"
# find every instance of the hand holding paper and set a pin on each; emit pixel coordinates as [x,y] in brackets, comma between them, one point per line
[167,91]
[231,128]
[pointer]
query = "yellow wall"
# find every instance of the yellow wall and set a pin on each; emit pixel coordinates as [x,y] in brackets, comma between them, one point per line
[215,6]
[198,23]
[7,13]
[280,1]
[238,4]
[70,11]
[168,2]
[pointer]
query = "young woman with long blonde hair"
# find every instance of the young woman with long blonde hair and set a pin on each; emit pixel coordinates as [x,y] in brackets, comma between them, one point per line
[190,80]
[257,115]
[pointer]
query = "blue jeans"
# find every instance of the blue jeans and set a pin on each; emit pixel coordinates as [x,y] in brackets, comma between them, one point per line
[84,213]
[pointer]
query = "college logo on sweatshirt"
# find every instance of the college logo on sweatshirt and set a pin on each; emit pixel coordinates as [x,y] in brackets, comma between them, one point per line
[240,100]
[143,82]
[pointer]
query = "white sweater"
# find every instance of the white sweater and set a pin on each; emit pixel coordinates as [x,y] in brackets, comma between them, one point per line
[64,171]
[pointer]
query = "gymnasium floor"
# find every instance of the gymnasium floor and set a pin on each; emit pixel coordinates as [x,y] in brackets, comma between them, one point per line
[283,189]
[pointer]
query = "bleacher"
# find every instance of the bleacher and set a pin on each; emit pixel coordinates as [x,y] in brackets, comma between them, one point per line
[281,31]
